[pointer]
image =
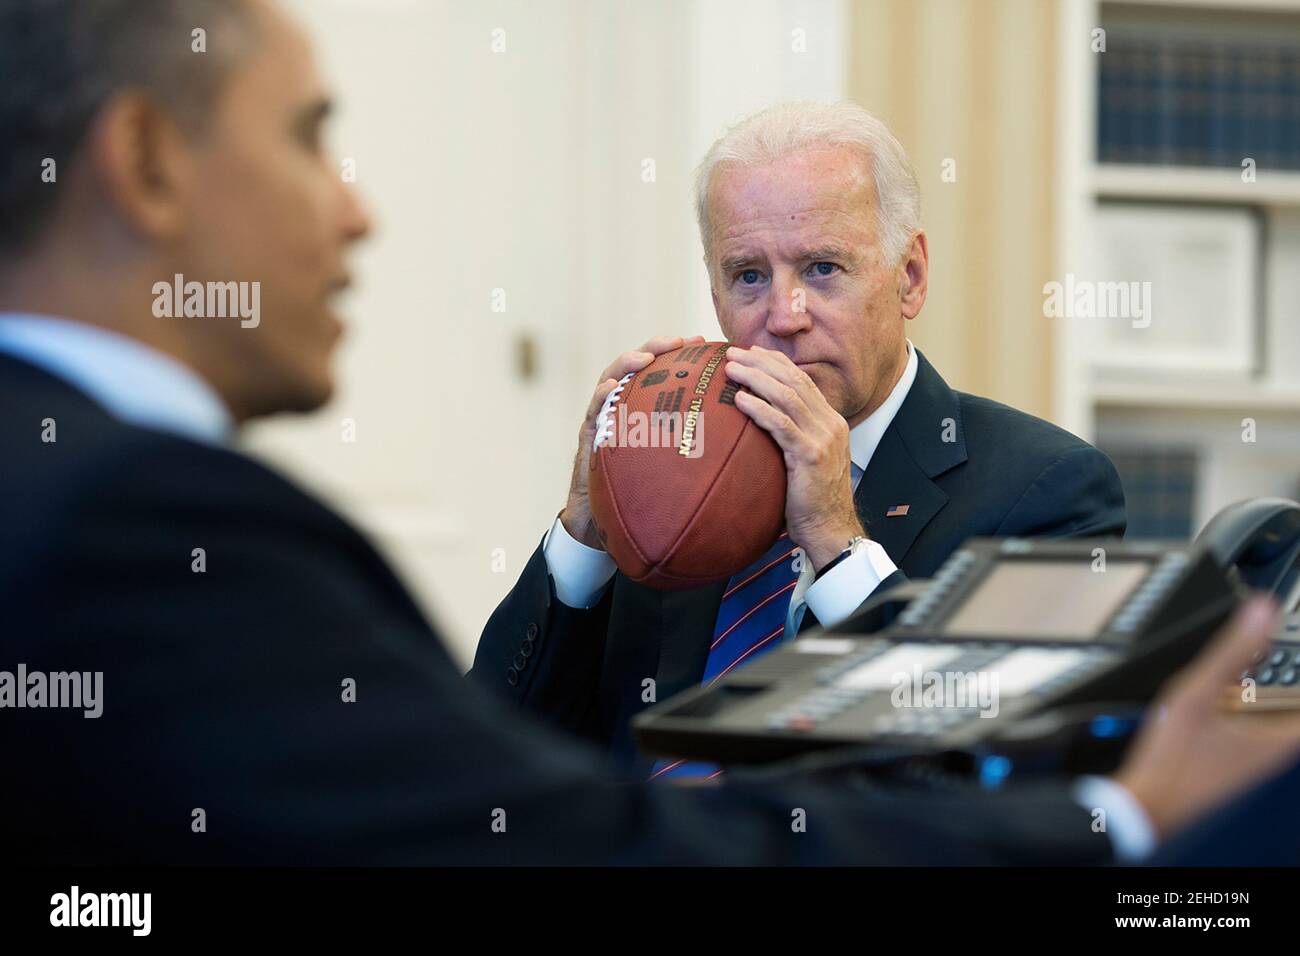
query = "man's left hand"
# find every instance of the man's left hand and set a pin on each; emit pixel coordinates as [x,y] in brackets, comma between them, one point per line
[814,438]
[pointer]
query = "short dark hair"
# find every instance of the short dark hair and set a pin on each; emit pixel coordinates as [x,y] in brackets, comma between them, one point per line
[64,59]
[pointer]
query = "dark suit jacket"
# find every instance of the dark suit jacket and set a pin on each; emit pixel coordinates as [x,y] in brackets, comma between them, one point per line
[1257,829]
[965,465]
[222,693]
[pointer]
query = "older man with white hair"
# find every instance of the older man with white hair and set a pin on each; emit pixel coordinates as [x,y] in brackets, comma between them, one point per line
[810,219]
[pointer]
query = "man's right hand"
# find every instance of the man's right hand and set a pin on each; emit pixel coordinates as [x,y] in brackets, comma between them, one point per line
[1193,755]
[576,516]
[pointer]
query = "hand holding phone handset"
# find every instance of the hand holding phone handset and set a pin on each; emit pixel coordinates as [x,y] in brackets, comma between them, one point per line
[1258,542]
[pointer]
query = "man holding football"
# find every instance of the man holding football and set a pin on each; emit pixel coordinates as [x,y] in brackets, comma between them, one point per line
[809,218]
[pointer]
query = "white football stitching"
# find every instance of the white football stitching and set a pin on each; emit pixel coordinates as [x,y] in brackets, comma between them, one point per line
[604,426]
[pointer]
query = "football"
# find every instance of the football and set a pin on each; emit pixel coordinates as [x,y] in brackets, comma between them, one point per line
[684,488]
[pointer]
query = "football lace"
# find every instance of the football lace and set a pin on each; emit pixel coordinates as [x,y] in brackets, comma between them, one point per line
[604,423]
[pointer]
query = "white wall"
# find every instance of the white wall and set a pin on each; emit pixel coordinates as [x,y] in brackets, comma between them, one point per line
[520,170]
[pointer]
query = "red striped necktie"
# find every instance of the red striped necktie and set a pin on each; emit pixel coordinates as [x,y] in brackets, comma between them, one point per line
[751,618]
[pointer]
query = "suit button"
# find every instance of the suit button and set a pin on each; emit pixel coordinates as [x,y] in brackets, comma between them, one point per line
[520,662]
[512,676]
[531,631]
[526,648]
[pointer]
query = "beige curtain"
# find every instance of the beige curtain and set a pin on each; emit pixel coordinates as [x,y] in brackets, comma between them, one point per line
[973,81]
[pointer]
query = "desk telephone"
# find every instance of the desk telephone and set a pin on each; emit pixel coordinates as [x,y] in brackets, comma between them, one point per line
[1009,634]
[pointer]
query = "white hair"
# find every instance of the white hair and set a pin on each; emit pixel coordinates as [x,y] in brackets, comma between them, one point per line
[785,128]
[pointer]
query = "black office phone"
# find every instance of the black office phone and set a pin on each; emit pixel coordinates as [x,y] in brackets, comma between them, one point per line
[1007,628]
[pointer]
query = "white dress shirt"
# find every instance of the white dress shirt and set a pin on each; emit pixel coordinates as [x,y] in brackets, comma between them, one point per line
[129,380]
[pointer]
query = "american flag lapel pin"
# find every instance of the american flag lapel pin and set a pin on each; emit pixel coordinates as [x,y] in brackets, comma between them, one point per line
[898,511]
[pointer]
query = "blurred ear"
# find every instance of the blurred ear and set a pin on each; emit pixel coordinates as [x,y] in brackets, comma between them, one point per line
[142,164]
[915,276]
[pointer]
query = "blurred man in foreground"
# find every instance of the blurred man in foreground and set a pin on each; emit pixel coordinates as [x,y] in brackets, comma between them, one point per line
[267,692]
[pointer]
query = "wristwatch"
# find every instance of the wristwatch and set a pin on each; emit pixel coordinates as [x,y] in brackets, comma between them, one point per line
[856,544]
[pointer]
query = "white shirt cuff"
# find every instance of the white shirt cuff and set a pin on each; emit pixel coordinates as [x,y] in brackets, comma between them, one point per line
[839,592]
[1132,836]
[580,573]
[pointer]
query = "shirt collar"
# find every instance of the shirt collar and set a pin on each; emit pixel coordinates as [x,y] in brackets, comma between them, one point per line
[132,381]
[866,434]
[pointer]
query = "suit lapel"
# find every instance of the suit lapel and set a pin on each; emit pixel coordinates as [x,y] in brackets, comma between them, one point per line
[893,482]
[897,497]
[687,620]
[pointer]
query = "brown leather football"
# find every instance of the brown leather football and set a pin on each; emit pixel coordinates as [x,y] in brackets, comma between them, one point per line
[685,489]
